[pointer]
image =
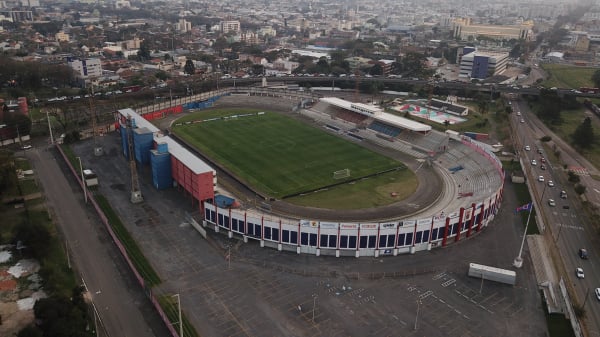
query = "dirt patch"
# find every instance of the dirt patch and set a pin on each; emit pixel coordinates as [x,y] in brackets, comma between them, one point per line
[13,319]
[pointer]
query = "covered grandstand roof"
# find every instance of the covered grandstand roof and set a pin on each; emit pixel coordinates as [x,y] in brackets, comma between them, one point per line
[378,114]
[403,122]
[190,160]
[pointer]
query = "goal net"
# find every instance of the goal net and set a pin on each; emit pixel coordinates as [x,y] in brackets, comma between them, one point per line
[341,174]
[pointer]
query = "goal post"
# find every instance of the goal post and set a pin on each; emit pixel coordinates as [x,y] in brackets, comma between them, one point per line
[341,174]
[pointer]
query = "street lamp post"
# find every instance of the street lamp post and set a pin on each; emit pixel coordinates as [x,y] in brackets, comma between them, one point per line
[314,306]
[179,313]
[417,316]
[82,180]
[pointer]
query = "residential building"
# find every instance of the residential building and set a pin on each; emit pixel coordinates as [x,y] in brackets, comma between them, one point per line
[85,69]
[232,26]
[184,26]
[61,36]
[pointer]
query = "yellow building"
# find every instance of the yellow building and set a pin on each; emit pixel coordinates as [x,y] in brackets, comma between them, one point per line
[463,29]
[62,37]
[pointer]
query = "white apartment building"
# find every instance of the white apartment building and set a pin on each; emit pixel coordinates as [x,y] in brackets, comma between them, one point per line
[184,26]
[230,26]
[86,69]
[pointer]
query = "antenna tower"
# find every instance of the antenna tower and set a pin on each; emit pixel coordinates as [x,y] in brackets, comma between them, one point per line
[136,193]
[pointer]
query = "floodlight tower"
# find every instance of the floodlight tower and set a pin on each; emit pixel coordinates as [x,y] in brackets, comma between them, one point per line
[98,151]
[136,193]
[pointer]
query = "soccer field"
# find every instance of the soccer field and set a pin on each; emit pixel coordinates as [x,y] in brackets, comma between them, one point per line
[278,155]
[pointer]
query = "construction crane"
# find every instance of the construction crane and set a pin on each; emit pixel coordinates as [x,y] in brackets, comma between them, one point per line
[136,193]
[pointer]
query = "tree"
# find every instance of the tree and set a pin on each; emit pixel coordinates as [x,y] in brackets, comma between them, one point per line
[584,134]
[580,189]
[162,75]
[376,70]
[596,78]
[144,51]
[189,67]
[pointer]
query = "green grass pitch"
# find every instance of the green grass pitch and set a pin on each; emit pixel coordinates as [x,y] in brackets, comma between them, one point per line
[276,154]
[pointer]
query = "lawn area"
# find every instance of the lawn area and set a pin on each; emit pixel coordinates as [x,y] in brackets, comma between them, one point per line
[365,193]
[571,120]
[567,76]
[278,155]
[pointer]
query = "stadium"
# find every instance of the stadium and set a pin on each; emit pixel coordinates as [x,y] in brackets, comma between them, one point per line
[458,194]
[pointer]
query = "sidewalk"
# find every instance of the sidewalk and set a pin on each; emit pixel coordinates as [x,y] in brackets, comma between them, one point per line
[546,277]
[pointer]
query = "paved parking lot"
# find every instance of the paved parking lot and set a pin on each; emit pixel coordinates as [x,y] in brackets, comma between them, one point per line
[263,292]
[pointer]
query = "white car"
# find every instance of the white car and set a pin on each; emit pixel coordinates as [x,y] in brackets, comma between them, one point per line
[541,179]
[533,162]
[551,203]
[579,273]
[527,148]
[550,183]
[518,113]
[522,121]
[597,291]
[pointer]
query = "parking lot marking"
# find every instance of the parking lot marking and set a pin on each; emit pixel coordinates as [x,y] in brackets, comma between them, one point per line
[448,283]
[438,276]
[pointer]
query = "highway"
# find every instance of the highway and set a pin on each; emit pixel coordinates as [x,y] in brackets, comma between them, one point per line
[116,296]
[569,231]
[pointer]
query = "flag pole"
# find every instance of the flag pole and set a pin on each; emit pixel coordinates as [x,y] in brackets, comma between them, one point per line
[518,263]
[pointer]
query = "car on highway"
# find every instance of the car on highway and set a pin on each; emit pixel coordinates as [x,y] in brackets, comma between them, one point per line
[550,183]
[597,291]
[543,160]
[563,194]
[579,272]
[551,202]
[527,148]
[522,120]
[541,179]
[518,113]
[26,147]
[533,162]
[583,253]
[542,167]
[540,151]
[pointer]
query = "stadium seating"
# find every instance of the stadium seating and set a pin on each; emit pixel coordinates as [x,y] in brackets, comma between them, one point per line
[385,129]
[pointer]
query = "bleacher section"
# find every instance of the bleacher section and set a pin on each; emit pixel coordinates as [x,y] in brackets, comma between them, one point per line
[430,142]
[350,116]
[385,129]
[476,178]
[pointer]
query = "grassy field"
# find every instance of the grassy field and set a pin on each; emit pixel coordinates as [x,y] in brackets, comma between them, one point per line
[278,155]
[571,120]
[567,76]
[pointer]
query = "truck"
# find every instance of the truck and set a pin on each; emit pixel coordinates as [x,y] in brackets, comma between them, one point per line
[492,274]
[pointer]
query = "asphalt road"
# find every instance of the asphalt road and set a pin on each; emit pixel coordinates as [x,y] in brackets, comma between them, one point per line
[568,229]
[118,299]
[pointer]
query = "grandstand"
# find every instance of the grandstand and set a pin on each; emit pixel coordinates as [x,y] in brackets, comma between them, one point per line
[386,129]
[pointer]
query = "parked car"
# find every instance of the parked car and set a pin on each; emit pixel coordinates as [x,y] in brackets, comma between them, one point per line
[550,183]
[533,162]
[541,179]
[527,148]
